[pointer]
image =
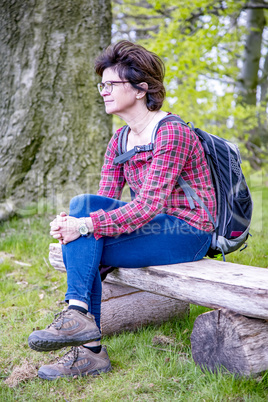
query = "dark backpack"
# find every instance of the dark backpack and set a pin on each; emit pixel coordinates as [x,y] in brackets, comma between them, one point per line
[234,203]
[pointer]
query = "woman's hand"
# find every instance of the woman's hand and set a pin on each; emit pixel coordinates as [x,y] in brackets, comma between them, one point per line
[65,228]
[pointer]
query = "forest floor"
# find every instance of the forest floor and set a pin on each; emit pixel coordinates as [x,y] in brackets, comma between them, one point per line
[32,291]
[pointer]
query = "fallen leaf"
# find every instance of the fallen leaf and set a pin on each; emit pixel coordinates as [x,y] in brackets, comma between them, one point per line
[23,264]
[22,283]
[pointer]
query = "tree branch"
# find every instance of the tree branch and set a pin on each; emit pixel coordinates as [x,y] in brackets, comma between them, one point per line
[139,16]
[255,6]
[222,80]
[208,10]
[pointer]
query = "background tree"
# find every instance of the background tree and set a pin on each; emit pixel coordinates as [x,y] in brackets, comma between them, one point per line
[216,62]
[53,124]
[253,79]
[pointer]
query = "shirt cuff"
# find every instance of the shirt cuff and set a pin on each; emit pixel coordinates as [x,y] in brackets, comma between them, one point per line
[96,223]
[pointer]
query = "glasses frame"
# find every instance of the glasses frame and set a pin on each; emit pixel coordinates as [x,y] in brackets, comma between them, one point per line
[102,85]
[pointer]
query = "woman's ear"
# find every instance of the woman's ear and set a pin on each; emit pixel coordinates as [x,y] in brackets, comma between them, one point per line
[142,92]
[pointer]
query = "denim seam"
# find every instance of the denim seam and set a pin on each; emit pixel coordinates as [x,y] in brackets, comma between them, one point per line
[199,251]
[89,271]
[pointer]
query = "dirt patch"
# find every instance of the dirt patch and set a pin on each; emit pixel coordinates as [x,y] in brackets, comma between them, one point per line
[163,340]
[21,373]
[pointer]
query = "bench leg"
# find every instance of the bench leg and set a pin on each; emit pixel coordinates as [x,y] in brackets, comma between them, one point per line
[224,339]
[125,308]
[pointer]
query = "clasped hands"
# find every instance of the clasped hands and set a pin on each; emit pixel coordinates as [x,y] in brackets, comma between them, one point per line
[65,228]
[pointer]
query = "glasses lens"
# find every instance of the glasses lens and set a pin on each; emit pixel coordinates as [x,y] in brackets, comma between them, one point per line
[100,87]
[108,86]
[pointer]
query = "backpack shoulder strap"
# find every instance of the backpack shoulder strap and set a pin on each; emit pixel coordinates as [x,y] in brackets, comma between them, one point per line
[191,195]
[122,140]
[165,119]
[122,145]
[124,156]
[127,155]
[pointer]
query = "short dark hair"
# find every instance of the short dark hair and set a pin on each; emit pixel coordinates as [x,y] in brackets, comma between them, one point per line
[136,64]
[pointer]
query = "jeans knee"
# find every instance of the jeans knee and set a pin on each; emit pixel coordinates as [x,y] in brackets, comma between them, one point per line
[83,204]
[79,205]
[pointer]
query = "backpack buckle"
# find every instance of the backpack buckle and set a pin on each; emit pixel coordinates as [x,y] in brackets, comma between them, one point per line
[138,149]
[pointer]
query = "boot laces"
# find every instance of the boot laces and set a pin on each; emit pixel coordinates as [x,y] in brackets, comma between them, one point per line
[57,318]
[72,355]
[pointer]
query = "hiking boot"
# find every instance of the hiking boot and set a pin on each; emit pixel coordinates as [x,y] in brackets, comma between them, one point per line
[69,328]
[78,361]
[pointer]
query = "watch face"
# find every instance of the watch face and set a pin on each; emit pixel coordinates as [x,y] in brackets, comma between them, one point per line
[83,229]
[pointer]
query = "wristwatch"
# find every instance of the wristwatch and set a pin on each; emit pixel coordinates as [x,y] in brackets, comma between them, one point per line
[83,229]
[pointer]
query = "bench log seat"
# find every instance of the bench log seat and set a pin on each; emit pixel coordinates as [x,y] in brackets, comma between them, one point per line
[235,336]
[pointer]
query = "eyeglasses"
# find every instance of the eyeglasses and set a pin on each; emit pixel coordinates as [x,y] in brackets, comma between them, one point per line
[108,85]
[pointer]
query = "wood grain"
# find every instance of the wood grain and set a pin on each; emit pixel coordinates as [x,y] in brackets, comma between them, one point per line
[126,309]
[211,283]
[221,338]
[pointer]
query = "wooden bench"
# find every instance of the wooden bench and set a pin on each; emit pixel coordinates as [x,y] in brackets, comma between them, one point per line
[235,335]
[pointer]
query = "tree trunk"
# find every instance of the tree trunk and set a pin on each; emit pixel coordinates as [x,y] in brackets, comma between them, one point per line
[249,81]
[252,55]
[124,308]
[225,339]
[264,80]
[53,124]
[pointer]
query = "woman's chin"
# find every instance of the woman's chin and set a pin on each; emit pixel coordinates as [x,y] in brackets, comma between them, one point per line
[109,109]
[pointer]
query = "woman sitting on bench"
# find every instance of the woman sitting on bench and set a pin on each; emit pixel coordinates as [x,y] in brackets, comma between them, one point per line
[157,227]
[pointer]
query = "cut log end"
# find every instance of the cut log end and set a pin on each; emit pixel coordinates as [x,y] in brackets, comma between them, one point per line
[222,339]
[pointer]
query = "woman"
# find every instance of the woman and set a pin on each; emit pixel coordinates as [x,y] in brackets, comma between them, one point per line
[157,227]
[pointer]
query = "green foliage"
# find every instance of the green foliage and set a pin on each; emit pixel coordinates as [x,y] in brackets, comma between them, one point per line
[32,291]
[202,44]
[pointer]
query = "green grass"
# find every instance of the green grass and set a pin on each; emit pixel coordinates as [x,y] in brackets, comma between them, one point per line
[32,293]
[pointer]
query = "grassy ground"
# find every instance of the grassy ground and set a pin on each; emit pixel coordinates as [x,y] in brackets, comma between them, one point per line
[31,291]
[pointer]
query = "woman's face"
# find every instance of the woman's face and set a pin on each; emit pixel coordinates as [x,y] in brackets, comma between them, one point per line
[122,100]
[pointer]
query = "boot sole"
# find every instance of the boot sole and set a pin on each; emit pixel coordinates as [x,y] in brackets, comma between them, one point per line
[45,345]
[93,373]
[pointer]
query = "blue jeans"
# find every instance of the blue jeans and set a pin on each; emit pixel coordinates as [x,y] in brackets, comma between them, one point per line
[164,240]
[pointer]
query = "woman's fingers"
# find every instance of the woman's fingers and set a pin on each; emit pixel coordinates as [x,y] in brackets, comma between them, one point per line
[59,226]
[65,228]
[59,219]
[57,236]
[54,228]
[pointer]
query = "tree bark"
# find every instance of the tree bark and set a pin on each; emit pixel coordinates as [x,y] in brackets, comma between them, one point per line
[53,124]
[223,339]
[252,55]
[124,308]
[264,80]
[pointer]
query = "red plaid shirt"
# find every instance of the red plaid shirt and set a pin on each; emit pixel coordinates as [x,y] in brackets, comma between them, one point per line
[153,175]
